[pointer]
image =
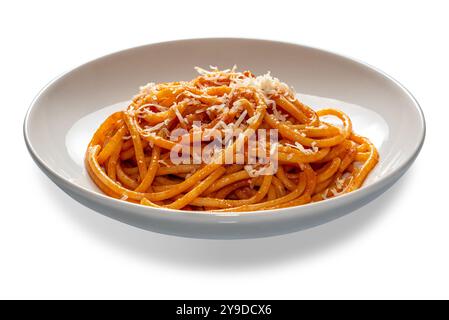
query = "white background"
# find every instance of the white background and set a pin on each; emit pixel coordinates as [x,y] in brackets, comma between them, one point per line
[53,247]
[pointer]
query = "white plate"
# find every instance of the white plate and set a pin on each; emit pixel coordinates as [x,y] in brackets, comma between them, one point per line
[66,112]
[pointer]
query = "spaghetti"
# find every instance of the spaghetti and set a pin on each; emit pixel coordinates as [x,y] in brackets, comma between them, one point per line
[135,154]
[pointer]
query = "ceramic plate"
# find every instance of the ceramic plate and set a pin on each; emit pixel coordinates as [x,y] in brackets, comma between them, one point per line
[65,114]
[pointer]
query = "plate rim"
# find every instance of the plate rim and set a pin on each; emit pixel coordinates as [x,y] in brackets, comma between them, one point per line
[369,189]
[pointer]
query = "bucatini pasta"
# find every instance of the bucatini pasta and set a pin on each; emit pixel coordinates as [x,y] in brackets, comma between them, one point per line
[226,141]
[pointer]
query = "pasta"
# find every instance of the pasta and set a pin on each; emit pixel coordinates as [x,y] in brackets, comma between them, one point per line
[226,141]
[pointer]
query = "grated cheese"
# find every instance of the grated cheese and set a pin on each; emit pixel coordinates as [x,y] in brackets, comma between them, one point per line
[339,183]
[300,147]
[252,172]
[179,115]
[241,118]
[266,83]
[276,113]
[157,106]
[236,106]
[154,128]
[217,107]
[324,194]
[253,119]
[148,88]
